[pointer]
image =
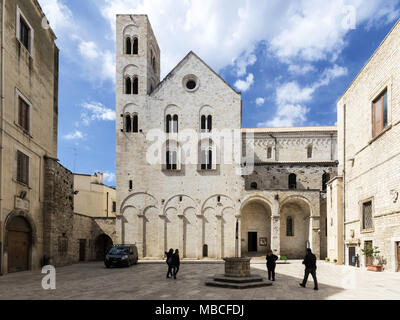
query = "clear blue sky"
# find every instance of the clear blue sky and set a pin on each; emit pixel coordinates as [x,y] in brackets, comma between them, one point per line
[291,60]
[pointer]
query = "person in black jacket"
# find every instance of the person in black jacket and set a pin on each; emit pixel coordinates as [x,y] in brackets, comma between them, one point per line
[175,262]
[169,262]
[310,262]
[271,264]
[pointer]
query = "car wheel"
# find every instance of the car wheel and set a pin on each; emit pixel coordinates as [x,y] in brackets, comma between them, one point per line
[136,260]
[107,265]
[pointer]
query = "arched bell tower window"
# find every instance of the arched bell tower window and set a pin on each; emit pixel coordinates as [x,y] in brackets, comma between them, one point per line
[135,46]
[135,86]
[168,123]
[292,181]
[128,123]
[128,85]
[128,46]
[175,123]
[135,124]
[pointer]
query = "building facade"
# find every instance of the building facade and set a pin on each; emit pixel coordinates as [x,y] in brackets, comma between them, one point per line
[365,195]
[29,115]
[92,197]
[188,175]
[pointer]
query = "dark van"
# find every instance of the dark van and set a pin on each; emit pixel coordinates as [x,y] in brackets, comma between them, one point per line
[121,256]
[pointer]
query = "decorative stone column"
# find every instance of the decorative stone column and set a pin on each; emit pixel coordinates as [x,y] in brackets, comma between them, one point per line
[275,229]
[315,240]
[200,226]
[141,236]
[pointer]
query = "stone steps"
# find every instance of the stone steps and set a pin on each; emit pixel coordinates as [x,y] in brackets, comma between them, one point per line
[230,284]
[223,278]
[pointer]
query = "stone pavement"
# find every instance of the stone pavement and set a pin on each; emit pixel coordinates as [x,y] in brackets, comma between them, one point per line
[147,281]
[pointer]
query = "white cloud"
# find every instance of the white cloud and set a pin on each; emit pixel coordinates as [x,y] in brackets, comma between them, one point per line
[260,101]
[58,14]
[291,97]
[109,177]
[89,50]
[245,60]
[300,70]
[244,85]
[223,32]
[76,135]
[96,111]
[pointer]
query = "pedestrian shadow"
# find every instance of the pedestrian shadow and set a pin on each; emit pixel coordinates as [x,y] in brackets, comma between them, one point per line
[286,287]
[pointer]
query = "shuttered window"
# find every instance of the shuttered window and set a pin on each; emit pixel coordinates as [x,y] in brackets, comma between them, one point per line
[22,168]
[24,33]
[380,113]
[23,114]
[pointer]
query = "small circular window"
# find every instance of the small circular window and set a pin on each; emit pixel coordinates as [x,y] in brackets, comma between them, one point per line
[190,83]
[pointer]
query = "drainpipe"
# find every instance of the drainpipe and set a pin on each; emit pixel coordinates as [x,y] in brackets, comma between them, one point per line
[344,184]
[107,204]
[2,127]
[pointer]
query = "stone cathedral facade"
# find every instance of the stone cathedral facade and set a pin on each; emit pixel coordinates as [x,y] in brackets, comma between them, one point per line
[174,191]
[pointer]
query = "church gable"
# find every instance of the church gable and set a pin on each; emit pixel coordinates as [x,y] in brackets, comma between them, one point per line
[190,75]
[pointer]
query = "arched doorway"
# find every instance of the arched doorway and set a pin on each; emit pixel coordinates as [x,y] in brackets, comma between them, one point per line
[103,245]
[255,228]
[295,228]
[19,243]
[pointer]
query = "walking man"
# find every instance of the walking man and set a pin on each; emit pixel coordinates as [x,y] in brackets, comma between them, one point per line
[310,262]
[175,263]
[169,262]
[271,264]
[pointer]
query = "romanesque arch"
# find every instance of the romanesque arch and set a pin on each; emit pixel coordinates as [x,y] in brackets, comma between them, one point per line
[181,225]
[256,213]
[20,239]
[295,226]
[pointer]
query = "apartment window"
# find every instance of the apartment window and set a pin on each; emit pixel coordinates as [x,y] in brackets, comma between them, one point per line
[24,33]
[23,114]
[367,215]
[22,168]
[380,113]
[289,227]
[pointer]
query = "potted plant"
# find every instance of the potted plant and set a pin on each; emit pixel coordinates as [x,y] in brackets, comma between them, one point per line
[284,259]
[373,254]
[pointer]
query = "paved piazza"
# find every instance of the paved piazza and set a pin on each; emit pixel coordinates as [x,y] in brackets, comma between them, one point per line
[147,281]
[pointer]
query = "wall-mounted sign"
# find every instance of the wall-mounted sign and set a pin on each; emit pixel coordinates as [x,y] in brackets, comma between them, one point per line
[263,242]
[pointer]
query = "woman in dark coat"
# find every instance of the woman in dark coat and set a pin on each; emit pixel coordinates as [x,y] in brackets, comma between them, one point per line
[271,264]
[169,262]
[176,262]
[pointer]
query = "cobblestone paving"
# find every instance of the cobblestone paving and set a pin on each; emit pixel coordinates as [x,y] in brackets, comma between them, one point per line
[147,281]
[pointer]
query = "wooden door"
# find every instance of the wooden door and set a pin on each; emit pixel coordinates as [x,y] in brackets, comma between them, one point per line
[398,256]
[252,237]
[18,251]
[82,249]
[352,254]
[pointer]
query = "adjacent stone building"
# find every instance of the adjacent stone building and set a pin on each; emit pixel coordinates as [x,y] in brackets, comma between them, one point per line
[188,174]
[28,120]
[363,201]
[92,197]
